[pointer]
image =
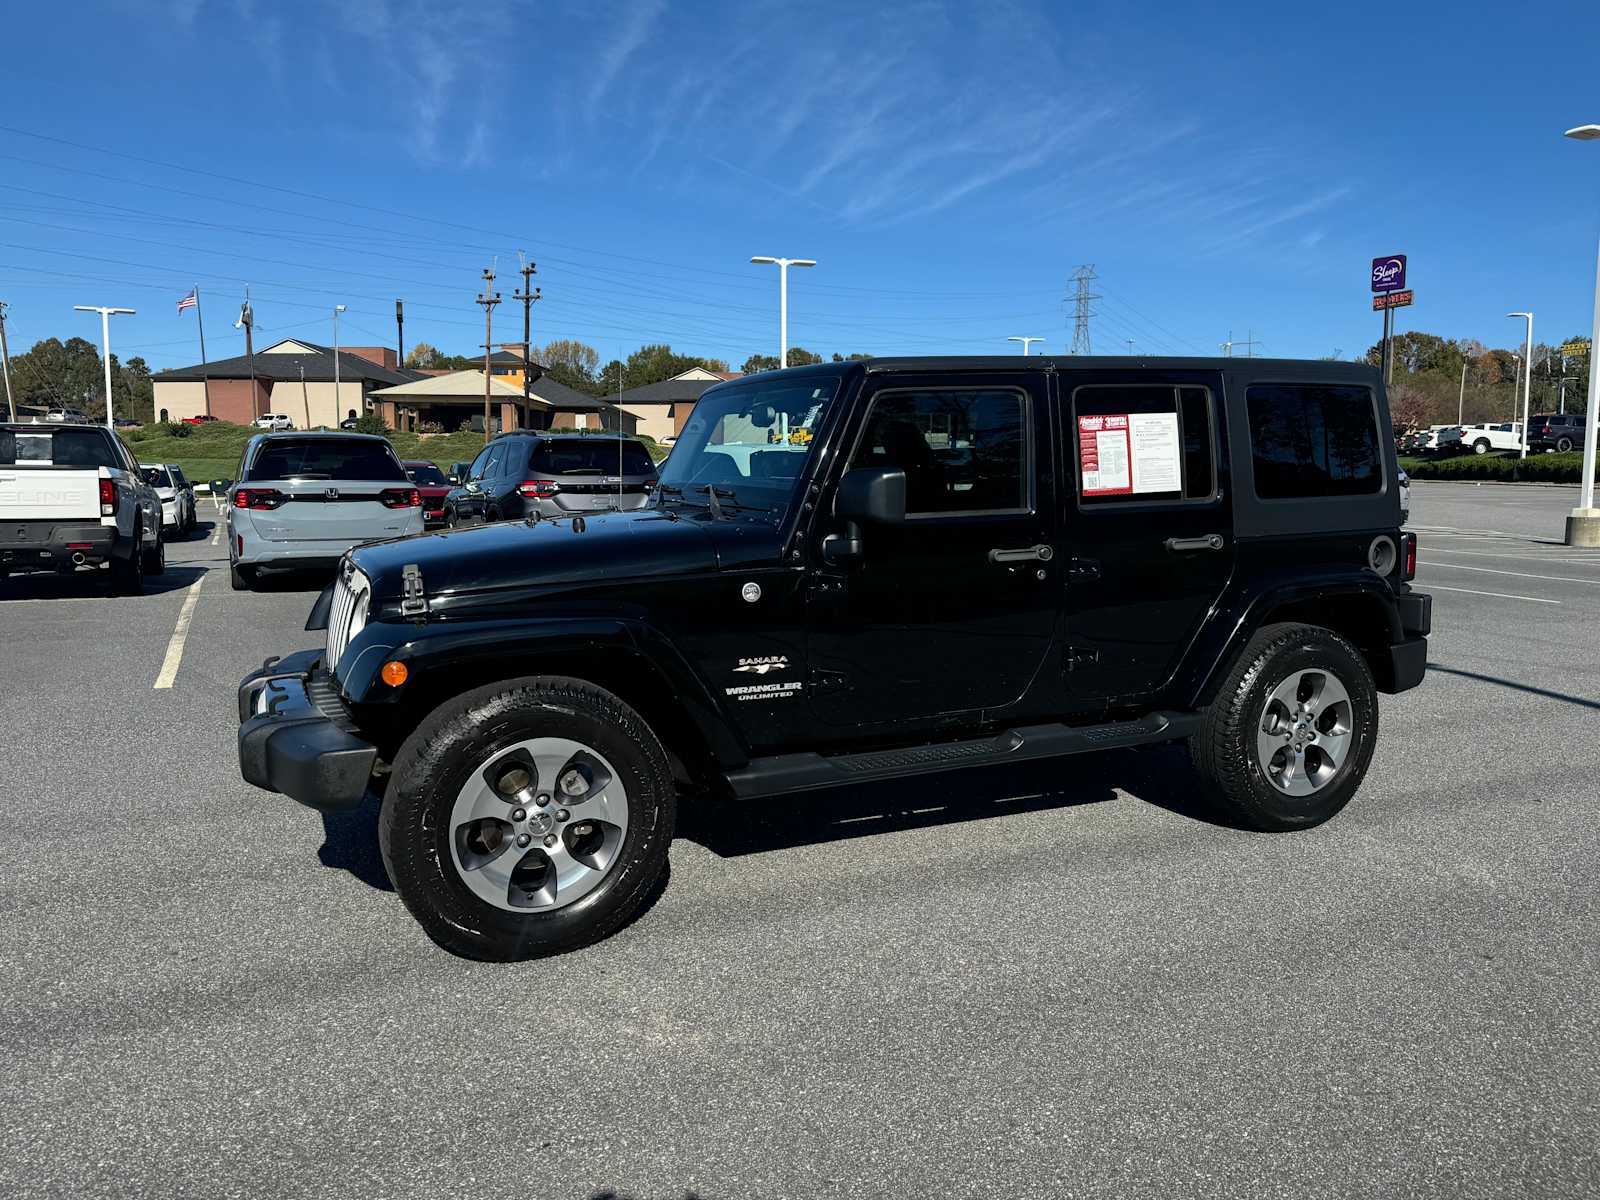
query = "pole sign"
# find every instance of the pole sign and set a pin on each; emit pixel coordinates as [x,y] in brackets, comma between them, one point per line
[1575,349]
[1393,300]
[1389,273]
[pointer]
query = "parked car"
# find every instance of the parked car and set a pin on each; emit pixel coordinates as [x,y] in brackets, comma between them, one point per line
[199,419]
[176,496]
[1560,432]
[56,414]
[125,423]
[966,562]
[273,421]
[551,474]
[433,488]
[303,499]
[1440,439]
[73,496]
[1480,439]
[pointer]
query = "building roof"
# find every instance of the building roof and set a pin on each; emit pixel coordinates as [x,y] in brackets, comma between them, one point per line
[287,363]
[668,391]
[564,399]
[457,385]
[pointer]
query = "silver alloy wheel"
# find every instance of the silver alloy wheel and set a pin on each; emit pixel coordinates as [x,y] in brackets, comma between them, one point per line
[537,826]
[1305,733]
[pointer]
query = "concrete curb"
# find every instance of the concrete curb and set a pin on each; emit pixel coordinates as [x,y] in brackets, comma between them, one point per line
[1511,483]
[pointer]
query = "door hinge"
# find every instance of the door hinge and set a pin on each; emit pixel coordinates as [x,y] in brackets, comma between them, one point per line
[1082,569]
[1079,657]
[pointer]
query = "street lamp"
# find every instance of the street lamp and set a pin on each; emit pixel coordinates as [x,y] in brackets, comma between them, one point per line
[1026,342]
[105,344]
[1583,525]
[337,399]
[783,299]
[1527,382]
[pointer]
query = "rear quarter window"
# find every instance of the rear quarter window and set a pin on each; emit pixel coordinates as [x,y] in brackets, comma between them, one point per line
[60,447]
[1313,440]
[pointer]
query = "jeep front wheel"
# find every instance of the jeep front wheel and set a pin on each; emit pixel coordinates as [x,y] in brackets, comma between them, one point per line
[1287,740]
[527,818]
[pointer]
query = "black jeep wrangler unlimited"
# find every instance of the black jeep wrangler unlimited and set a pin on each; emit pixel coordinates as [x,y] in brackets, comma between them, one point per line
[854,572]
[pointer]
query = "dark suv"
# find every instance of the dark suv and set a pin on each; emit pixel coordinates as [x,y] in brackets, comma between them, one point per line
[1555,431]
[550,475]
[862,571]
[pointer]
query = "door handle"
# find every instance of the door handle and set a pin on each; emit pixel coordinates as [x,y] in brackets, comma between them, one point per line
[1040,553]
[1211,541]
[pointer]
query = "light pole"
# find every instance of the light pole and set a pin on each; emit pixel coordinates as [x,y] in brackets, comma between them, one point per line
[338,400]
[1026,342]
[1583,525]
[1527,382]
[105,343]
[783,299]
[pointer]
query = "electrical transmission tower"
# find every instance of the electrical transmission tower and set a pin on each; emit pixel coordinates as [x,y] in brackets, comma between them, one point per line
[1083,277]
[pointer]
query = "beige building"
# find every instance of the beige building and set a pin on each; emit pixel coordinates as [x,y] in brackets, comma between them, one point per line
[291,377]
[662,408]
[455,401]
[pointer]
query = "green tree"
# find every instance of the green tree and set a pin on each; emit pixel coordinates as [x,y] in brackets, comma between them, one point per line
[837,357]
[422,356]
[612,378]
[653,363]
[570,362]
[760,362]
[135,392]
[799,356]
[57,372]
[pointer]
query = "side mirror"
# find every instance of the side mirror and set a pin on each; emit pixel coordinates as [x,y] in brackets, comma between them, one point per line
[872,495]
[452,480]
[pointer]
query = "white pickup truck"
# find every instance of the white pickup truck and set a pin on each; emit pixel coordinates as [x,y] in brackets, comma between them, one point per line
[1480,439]
[73,496]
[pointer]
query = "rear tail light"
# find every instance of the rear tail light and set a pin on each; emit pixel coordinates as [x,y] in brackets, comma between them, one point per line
[538,489]
[1408,557]
[401,498]
[108,498]
[258,498]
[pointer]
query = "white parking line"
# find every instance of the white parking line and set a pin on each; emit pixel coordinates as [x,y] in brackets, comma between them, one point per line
[1579,559]
[1450,566]
[180,634]
[216,532]
[1439,587]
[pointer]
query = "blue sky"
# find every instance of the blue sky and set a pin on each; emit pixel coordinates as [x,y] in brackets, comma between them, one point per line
[948,165]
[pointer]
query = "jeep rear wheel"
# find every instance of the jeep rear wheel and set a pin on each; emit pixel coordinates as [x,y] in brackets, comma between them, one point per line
[1288,739]
[527,818]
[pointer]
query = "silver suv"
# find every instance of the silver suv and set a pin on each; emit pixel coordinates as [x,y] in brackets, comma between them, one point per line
[303,499]
[524,474]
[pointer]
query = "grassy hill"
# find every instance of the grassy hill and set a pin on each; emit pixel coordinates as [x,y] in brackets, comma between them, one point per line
[212,451]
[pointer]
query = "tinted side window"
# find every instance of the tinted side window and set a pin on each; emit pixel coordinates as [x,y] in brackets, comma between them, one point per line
[962,450]
[475,471]
[1313,439]
[1147,458]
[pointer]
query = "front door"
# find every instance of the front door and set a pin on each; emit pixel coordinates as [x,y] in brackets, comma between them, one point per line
[950,613]
[1149,524]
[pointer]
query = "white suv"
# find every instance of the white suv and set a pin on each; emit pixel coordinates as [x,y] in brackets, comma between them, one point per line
[1481,439]
[273,421]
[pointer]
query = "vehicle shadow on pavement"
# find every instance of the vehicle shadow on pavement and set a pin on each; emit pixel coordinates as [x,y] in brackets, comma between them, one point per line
[1158,775]
[95,584]
[350,843]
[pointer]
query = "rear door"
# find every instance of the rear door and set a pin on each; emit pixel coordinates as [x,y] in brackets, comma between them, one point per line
[1150,526]
[53,474]
[333,489]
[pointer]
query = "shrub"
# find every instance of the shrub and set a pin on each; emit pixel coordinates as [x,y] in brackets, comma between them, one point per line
[1536,468]
[429,427]
[371,423]
[177,429]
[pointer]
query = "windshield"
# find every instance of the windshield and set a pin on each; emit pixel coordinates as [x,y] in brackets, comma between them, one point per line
[426,475]
[750,441]
[156,477]
[326,458]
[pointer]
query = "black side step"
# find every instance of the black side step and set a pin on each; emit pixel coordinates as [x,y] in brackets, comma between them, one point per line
[805,772]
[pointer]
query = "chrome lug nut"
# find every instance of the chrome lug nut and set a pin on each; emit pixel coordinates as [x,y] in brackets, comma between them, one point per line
[519,814]
[542,799]
[523,839]
[549,840]
[562,814]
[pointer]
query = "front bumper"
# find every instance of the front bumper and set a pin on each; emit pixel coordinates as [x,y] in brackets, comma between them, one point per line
[294,738]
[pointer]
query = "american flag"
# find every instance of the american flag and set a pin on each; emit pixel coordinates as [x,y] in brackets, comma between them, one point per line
[189,301]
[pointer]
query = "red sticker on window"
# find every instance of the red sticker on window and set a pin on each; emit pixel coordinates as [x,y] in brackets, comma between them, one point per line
[1104,461]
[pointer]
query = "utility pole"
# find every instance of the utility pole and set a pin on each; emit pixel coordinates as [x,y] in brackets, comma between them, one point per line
[305,398]
[400,332]
[1130,346]
[1083,276]
[527,295]
[1249,344]
[488,299]
[1461,396]
[5,360]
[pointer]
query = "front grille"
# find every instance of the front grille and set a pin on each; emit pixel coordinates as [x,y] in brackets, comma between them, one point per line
[350,587]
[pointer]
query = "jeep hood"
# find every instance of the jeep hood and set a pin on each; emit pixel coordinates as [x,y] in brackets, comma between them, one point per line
[607,547]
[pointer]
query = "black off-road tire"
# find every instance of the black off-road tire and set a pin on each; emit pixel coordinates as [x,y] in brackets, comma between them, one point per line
[127,574]
[1224,750]
[155,559]
[1563,445]
[434,762]
[241,578]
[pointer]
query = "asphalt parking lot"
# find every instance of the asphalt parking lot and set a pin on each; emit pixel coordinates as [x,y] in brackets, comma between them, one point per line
[1063,982]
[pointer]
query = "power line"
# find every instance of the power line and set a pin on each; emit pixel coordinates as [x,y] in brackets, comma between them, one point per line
[1083,277]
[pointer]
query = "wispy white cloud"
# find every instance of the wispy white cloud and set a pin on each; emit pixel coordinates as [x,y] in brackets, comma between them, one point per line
[622,45]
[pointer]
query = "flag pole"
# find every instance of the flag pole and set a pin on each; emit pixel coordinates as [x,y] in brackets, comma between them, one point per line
[205,379]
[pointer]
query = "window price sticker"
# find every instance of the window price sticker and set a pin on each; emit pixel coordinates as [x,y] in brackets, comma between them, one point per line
[1104,461]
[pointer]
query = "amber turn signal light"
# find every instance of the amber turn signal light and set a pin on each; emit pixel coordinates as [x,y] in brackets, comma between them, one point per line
[394,673]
